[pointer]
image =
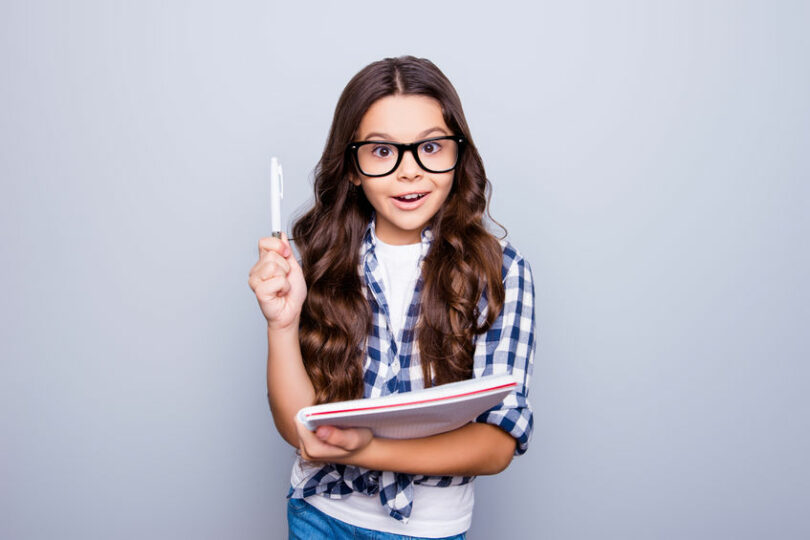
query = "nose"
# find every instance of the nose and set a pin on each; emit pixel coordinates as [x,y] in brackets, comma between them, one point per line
[409,169]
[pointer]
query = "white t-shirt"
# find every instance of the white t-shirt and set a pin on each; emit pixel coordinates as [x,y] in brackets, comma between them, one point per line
[400,270]
[437,511]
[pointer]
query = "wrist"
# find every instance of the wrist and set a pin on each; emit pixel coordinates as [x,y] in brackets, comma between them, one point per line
[280,330]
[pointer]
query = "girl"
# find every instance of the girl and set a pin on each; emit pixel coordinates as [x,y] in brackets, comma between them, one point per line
[400,286]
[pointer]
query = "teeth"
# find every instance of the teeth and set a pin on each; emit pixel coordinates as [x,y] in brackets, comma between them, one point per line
[411,197]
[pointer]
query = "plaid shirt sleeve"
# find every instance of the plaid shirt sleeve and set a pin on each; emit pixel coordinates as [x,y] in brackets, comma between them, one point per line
[508,348]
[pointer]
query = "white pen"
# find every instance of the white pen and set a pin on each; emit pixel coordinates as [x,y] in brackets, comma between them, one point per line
[276,194]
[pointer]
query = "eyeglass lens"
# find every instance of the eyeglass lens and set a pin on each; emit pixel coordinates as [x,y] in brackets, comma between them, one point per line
[433,156]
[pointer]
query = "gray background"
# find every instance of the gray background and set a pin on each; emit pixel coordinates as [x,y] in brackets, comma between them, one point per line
[648,158]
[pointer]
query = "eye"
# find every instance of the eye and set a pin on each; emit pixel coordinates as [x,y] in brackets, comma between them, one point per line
[382,151]
[430,147]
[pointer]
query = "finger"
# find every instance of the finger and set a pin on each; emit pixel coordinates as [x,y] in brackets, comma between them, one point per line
[261,274]
[307,457]
[272,264]
[347,439]
[274,244]
[290,257]
[273,287]
[306,439]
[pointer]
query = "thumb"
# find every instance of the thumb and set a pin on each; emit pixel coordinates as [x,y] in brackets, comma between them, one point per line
[347,439]
[289,255]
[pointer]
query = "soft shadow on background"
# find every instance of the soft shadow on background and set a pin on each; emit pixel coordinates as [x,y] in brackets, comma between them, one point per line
[650,159]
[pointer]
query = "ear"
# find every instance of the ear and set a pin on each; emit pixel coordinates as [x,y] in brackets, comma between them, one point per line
[354,179]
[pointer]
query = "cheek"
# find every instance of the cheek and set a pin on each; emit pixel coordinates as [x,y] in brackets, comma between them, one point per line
[372,193]
[448,183]
[367,191]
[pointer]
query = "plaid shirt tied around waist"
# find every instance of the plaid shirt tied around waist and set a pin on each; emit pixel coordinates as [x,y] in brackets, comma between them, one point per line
[392,365]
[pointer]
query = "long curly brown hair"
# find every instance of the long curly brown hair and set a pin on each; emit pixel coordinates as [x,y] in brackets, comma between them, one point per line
[463,263]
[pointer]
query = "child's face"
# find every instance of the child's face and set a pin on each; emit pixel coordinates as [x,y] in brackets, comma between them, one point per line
[404,119]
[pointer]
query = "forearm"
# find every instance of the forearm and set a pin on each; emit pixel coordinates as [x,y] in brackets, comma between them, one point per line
[288,385]
[472,450]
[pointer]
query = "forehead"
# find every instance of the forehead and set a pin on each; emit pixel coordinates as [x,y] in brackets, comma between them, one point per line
[402,117]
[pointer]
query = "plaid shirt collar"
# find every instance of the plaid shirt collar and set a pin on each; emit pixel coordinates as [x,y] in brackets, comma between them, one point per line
[392,361]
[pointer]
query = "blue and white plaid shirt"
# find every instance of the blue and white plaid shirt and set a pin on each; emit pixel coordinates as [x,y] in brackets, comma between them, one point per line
[392,365]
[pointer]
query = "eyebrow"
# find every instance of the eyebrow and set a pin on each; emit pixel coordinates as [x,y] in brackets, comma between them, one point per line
[385,136]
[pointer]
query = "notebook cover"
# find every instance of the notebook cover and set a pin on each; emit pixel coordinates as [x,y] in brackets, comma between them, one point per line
[414,414]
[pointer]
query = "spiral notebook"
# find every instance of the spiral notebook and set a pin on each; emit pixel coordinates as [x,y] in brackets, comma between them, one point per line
[419,413]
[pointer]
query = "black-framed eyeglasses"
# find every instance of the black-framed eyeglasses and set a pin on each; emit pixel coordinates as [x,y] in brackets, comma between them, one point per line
[381,158]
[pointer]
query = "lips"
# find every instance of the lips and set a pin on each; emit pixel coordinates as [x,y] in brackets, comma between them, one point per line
[410,197]
[410,201]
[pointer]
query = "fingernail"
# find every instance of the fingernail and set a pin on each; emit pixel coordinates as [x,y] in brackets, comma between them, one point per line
[323,432]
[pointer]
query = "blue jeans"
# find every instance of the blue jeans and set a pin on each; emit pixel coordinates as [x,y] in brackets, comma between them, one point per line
[308,523]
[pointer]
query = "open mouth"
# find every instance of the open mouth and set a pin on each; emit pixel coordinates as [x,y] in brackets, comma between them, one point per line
[410,197]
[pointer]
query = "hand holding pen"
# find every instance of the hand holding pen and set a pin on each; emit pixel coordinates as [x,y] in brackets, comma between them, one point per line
[277,278]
